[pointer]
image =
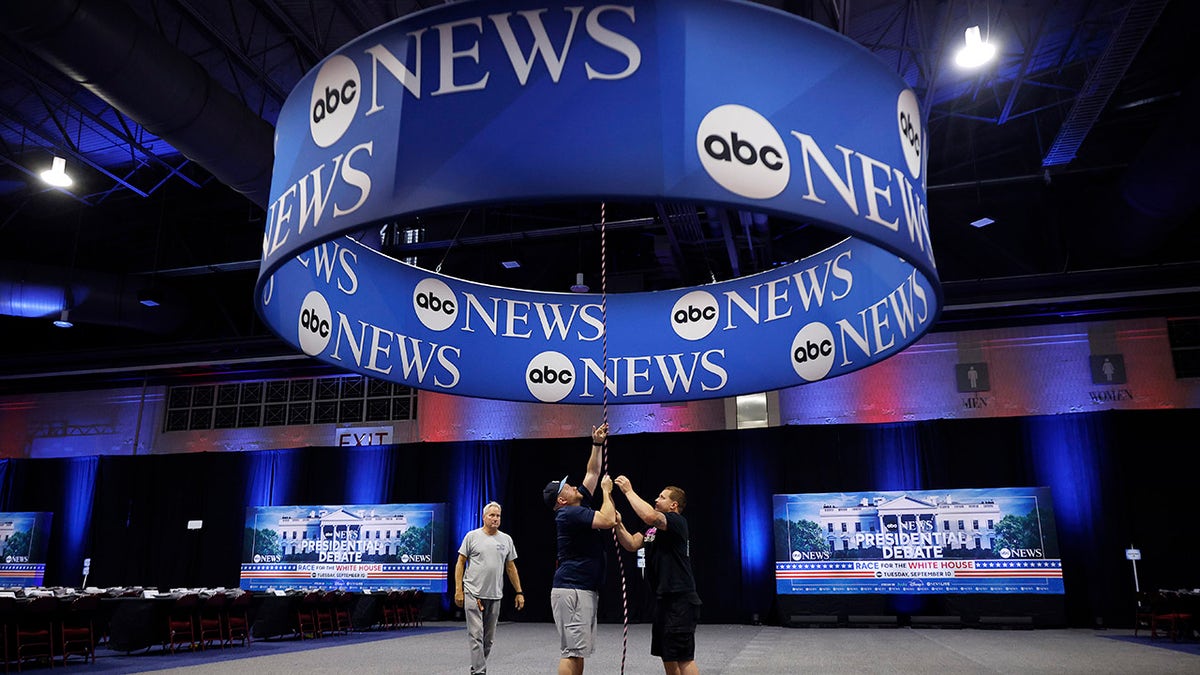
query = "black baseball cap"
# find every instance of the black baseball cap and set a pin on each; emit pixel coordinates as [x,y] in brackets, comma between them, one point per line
[550,492]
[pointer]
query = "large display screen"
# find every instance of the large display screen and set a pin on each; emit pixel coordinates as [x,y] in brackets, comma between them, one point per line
[24,538]
[352,547]
[996,540]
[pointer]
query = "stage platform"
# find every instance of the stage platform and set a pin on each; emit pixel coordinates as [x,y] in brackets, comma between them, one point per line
[524,648]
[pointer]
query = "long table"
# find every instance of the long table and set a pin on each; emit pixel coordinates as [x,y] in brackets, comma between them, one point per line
[137,623]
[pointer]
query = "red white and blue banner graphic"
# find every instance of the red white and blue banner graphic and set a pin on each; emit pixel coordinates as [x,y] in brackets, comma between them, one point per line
[998,540]
[352,547]
[703,102]
[24,540]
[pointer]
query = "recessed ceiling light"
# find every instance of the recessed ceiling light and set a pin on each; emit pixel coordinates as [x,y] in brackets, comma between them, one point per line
[149,298]
[510,264]
[982,222]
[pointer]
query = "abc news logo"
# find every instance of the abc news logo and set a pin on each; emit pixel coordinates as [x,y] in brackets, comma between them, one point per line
[910,133]
[813,351]
[695,315]
[727,150]
[744,153]
[435,304]
[315,324]
[334,100]
[550,377]
[1021,553]
[908,119]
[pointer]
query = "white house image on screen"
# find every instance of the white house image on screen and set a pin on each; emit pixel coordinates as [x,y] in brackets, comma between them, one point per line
[7,529]
[379,534]
[969,525]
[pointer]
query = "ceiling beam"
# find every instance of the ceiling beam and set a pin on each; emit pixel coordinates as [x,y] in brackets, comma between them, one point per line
[1102,81]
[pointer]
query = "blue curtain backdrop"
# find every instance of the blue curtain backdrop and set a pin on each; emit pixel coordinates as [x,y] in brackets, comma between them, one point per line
[478,474]
[260,478]
[368,474]
[753,520]
[896,455]
[75,505]
[1117,479]
[480,469]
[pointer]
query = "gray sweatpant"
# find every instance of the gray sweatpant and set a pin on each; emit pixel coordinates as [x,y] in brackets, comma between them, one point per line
[481,630]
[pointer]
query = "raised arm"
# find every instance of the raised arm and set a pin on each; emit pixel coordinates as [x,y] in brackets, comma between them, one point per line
[599,434]
[606,517]
[641,507]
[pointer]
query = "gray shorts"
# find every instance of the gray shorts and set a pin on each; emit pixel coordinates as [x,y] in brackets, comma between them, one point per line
[575,617]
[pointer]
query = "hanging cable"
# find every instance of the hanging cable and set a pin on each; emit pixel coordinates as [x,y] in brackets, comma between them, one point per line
[604,407]
[453,241]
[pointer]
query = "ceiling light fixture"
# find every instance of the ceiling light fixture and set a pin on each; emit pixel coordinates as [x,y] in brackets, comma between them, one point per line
[982,222]
[149,298]
[579,286]
[56,175]
[976,52]
[64,319]
[510,264]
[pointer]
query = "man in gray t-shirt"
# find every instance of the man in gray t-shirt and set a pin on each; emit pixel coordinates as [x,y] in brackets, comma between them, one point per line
[485,553]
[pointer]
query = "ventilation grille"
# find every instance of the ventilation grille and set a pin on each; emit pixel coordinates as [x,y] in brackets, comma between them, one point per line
[287,402]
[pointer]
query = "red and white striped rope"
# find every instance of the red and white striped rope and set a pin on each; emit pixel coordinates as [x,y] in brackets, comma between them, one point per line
[604,317]
[604,400]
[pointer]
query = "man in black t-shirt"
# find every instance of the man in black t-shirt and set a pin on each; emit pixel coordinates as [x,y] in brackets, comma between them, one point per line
[669,573]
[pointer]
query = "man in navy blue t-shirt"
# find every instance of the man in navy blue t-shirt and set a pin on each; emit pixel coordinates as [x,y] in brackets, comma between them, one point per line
[580,572]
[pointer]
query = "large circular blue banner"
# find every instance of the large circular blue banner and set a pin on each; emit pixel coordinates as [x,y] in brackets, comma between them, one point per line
[707,102]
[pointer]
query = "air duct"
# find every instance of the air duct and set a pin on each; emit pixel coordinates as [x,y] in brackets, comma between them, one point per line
[92,298]
[105,47]
[1158,192]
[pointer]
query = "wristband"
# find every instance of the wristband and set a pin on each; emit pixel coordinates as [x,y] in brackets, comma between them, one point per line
[520,593]
[594,443]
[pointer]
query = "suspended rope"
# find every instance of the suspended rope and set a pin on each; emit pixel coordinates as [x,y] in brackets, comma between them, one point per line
[604,319]
[453,241]
[604,405]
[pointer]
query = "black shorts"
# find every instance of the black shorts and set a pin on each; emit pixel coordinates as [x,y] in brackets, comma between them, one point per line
[673,637]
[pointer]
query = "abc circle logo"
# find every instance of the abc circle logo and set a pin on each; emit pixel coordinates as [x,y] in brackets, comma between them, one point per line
[812,351]
[908,117]
[334,100]
[435,304]
[550,376]
[695,315]
[742,152]
[315,324]
[1005,552]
